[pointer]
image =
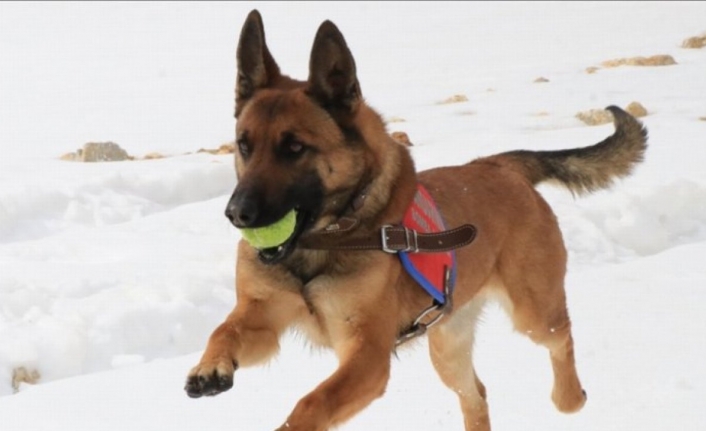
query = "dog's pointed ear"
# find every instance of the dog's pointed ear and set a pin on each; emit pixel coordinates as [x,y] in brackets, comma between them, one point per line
[256,67]
[333,81]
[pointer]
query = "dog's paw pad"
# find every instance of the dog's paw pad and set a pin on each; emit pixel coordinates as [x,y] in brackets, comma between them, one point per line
[209,381]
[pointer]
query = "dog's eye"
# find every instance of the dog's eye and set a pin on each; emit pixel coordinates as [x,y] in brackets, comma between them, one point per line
[295,147]
[243,148]
[291,148]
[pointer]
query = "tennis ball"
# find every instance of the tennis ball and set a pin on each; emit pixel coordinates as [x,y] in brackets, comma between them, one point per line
[273,235]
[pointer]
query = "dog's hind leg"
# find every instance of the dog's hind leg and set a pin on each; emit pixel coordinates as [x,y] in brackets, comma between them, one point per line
[450,348]
[537,306]
[552,329]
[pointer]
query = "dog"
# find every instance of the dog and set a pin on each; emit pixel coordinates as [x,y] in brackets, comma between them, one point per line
[316,146]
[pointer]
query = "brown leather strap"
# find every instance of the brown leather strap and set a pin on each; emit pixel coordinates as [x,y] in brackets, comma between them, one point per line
[394,239]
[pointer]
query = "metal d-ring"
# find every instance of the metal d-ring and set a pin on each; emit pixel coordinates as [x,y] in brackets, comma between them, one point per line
[419,328]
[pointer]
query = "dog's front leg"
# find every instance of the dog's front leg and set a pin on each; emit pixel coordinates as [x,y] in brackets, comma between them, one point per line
[250,334]
[245,338]
[361,378]
[358,314]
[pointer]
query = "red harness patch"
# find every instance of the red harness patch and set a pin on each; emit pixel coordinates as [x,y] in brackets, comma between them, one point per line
[428,269]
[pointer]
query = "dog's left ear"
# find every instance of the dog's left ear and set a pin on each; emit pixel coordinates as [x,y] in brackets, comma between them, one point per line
[333,81]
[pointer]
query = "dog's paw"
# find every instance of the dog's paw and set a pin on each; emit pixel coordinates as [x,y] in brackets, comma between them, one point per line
[210,379]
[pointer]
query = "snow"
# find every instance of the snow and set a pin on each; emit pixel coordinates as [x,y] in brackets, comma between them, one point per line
[112,275]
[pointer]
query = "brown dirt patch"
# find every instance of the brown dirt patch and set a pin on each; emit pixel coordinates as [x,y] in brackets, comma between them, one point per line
[456,98]
[655,60]
[696,42]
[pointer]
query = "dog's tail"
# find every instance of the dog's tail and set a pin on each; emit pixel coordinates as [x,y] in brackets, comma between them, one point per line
[584,170]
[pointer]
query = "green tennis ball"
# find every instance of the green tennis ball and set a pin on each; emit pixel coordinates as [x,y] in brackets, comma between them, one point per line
[273,235]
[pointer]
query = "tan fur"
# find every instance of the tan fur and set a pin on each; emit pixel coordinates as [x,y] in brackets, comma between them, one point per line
[356,303]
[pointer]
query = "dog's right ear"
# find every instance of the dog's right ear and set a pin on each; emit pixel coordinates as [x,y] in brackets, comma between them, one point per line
[256,67]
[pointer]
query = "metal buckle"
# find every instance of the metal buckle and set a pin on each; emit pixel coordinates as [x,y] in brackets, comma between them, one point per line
[419,328]
[412,246]
[383,234]
[410,236]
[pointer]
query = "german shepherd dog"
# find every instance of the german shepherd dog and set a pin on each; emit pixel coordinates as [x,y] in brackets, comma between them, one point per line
[317,147]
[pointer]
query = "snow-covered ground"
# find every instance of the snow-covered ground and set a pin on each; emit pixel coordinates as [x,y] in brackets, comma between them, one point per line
[112,275]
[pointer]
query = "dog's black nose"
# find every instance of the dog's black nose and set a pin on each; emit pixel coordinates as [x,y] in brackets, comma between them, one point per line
[243,213]
[229,214]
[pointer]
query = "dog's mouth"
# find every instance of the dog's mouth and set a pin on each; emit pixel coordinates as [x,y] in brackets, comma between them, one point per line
[273,255]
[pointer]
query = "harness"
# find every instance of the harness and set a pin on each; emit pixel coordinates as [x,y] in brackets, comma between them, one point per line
[424,246]
[434,272]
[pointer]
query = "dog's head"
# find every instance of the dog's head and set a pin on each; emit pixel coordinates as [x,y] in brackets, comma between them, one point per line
[299,144]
